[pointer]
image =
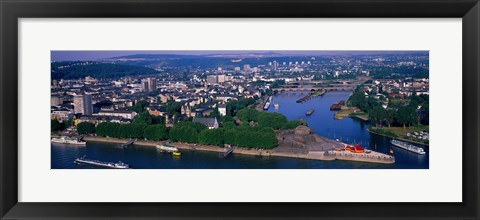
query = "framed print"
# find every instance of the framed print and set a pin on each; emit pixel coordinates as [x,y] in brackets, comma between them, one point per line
[267,109]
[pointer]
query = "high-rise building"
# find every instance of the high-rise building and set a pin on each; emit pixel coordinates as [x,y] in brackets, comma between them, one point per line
[212,79]
[221,78]
[83,104]
[149,84]
[274,66]
[55,83]
[55,100]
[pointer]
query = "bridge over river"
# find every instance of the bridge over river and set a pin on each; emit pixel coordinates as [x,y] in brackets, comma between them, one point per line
[313,89]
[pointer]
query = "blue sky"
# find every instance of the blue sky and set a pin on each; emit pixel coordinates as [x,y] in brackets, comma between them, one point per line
[96,55]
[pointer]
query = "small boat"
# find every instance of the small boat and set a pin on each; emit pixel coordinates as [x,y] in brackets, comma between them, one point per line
[276,105]
[309,112]
[165,148]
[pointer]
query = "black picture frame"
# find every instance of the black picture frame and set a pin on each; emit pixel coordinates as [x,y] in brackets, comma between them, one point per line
[12,10]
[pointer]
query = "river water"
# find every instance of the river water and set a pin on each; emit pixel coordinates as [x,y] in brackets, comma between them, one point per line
[349,130]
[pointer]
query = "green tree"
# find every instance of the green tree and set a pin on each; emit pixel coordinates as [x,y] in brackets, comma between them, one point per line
[247,114]
[358,99]
[389,117]
[68,123]
[426,109]
[71,70]
[292,124]
[161,132]
[235,105]
[226,118]
[143,118]
[124,131]
[55,125]
[184,134]
[406,116]
[269,140]
[137,130]
[246,138]
[85,128]
[377,115]
[174,108]
[149,132]
[211,137]
[111,129]
[155,132]
[230,136]
[139,106]
[100,129]
[273,120]
[229,125]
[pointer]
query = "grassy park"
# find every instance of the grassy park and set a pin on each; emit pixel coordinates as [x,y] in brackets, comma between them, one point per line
[401,133]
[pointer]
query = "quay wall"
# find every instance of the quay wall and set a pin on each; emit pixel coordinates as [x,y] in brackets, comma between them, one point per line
[373,157]
[312,155]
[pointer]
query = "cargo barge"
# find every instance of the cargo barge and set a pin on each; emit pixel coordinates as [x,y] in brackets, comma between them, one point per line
[119,165]
[267,104]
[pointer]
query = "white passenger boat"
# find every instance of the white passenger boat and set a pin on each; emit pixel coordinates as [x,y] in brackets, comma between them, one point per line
[407,146]
[68,140]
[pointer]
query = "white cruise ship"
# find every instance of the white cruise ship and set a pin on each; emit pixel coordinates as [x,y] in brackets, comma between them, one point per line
[408,146]
[68,140]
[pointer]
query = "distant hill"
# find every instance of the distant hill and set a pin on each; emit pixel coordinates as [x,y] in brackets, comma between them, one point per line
[200,61]
[152,56]
[226,59]
[81,69]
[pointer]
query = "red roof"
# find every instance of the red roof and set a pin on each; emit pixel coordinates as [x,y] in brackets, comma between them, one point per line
[393,95]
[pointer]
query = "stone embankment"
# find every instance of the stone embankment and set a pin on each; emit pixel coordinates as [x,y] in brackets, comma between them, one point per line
[298,143]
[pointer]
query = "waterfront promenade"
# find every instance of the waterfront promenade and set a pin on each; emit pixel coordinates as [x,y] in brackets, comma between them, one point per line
[328,155]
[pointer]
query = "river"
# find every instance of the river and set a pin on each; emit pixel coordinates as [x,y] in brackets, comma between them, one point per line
[349,130]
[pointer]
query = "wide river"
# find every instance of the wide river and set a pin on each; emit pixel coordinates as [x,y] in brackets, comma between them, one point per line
[349,130]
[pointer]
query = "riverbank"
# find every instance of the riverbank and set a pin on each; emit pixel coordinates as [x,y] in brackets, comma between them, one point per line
[311,155]
[351,112]
[398,138]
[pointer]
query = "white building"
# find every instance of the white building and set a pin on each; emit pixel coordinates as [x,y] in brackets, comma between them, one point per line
[123,114]
[222,109]
[211,123]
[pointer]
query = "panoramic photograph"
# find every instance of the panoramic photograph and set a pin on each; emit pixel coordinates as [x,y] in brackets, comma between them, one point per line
[239,109]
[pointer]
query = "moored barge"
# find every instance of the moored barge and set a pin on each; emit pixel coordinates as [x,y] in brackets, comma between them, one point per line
[119,165]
